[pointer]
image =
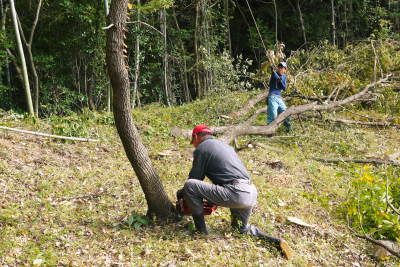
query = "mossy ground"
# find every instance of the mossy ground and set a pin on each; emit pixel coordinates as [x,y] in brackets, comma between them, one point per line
[64,202]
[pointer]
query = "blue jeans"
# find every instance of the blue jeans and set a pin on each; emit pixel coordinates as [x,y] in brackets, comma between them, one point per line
[275,107]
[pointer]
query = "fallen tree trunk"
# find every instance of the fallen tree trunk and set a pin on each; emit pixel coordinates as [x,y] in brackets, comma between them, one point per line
[246,129]
[365,161]
[229,133]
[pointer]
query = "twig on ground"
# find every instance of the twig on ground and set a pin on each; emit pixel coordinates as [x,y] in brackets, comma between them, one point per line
[377,242]
[359,115]
[387,197]
[367,123]
[49,135]
[266,146]
[365,161]
[394,156]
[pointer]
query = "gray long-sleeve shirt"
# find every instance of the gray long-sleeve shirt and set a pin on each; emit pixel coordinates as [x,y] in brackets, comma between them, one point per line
[218,161]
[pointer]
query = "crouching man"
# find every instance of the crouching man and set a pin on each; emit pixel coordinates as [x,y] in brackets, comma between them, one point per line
[231,185]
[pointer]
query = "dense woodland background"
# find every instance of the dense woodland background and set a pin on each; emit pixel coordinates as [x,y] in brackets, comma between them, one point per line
[178,52]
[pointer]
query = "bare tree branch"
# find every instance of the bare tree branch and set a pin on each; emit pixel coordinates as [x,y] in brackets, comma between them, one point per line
[366,161]
[247,108]
[376,242]
[387,197]
[145,24]
[367,123]
[35,22]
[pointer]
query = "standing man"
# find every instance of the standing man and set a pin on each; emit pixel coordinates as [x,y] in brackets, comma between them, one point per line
[231,186]
[276,105]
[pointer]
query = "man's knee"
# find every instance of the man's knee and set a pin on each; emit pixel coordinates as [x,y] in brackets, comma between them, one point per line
[190,185]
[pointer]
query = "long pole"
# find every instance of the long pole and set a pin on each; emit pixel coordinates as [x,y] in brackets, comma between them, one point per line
[23,62]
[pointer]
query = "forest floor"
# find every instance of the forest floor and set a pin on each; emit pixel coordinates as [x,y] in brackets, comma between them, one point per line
[65,203]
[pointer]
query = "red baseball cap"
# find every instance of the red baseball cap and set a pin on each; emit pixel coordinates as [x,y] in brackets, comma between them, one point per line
[201,128]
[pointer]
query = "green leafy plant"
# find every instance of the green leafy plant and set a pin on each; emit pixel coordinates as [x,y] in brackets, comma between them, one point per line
[367,208]
[136,221]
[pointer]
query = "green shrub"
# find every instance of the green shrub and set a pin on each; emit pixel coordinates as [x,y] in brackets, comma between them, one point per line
[366,207]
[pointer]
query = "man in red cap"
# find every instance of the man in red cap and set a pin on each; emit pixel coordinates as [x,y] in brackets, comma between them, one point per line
[231,186]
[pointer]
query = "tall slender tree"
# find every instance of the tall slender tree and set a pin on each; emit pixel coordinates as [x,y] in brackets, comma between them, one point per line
[137,58]
[158,202]
[22,57]
[333,22]
[28,45]
[107,11]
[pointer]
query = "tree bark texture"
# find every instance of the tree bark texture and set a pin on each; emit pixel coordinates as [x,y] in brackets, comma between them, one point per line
[158,202]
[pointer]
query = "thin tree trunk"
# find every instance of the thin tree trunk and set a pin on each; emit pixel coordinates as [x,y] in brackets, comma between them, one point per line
[346,26]
[90,85]
[303,28]
[33,67]
[28,45]
[209,75]
[23,62]
[158,202]
[184,72]
[3,14]
[276,21]
[16,66]
[107,11]
[137,60]
[163,20]
[196,49]
[333,22]
[228,29]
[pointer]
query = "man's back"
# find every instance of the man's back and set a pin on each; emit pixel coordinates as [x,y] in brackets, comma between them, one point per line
[217,161]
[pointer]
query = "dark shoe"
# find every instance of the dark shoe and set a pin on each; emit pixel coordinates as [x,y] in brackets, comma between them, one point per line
[200,224]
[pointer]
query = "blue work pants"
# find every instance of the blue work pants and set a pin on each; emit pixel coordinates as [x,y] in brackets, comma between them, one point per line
[276,106]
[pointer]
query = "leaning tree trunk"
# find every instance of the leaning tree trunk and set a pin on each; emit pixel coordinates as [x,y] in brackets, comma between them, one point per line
[158,202]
